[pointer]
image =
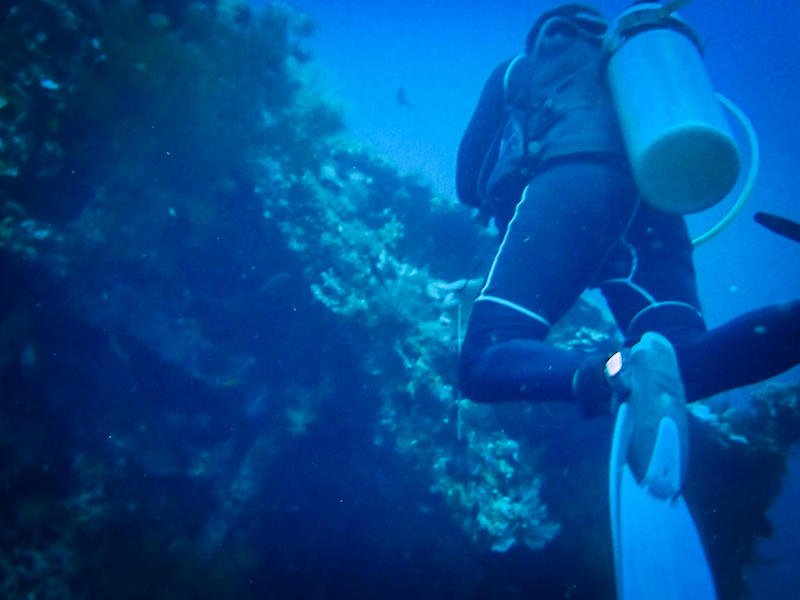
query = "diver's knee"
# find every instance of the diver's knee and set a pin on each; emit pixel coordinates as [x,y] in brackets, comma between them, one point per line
[491,325]
[679,322]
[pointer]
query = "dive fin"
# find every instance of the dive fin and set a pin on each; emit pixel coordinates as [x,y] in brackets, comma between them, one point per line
[780,225]
[658,553]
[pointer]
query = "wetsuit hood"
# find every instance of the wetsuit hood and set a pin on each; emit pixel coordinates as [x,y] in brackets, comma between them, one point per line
[587,17]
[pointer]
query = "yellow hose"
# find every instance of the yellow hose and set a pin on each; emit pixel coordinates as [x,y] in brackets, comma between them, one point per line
[752,172]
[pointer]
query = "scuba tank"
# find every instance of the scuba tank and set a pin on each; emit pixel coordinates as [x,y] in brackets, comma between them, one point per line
[681,149]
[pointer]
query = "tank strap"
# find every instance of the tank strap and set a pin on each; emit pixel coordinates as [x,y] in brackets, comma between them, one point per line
[646,19]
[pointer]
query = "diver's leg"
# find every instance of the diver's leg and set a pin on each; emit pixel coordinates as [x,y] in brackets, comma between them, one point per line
[649,271]
[649,279]
[751,348]
[503,358]
[655,290]
[568,219]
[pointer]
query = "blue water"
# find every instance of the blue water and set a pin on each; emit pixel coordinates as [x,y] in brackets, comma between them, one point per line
[440,52]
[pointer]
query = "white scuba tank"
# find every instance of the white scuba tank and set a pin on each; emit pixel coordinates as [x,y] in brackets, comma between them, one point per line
[681,149]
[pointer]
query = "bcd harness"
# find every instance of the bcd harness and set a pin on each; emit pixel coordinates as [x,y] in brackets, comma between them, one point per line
[557,105]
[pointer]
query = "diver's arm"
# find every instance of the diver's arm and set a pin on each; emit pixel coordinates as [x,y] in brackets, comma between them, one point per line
[483,128]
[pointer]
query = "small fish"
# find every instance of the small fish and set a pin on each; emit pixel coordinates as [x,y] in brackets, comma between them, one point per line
[780,225]
[402,99]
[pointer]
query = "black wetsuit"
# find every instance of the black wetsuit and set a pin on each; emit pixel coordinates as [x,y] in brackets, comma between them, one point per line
[580,224]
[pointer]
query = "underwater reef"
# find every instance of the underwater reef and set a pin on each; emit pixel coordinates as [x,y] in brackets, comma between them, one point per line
[228,337]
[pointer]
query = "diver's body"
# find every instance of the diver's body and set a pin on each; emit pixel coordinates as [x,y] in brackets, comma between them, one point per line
[580,224]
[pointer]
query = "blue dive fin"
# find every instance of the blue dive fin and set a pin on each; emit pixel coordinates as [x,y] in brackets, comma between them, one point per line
[658,553]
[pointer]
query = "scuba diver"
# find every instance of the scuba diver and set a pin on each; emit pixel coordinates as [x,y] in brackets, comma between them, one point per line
[543,154]
[547,156]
